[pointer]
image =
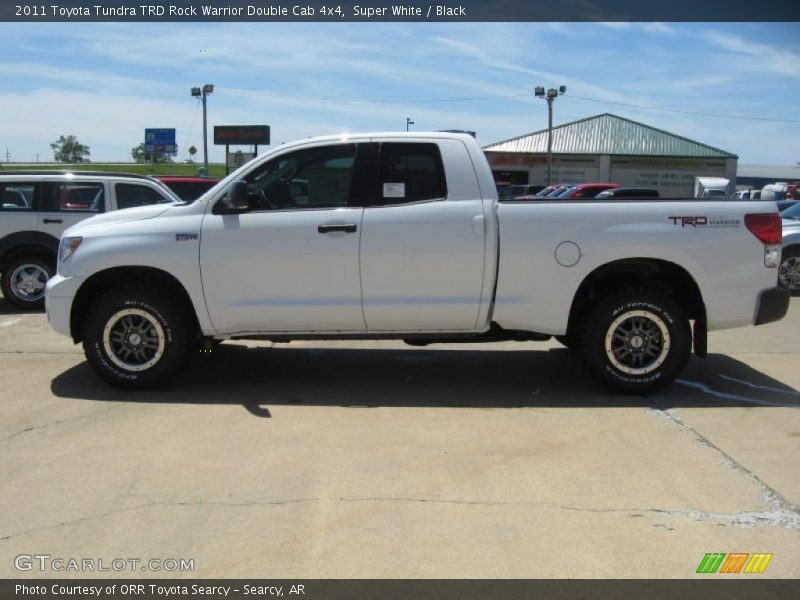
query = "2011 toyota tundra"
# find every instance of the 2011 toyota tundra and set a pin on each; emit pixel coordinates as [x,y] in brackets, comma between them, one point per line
[401,236]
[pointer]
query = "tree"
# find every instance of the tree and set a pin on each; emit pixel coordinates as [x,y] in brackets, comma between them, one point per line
[139,155]
[70,150]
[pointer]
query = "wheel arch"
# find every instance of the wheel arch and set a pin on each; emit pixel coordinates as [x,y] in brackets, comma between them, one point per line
[647,272]
[33,242]
[107,279]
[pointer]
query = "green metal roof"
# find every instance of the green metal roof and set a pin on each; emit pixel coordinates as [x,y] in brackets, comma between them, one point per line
[609,134]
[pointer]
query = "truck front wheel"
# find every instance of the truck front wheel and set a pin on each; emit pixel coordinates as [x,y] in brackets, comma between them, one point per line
[135,338]
[637,341]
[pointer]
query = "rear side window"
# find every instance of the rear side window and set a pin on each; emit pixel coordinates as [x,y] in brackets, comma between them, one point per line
[17,196]
[134,194]
[410,172]
[75,196]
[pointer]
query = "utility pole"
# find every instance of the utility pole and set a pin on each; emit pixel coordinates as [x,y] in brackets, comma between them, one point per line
[551,95]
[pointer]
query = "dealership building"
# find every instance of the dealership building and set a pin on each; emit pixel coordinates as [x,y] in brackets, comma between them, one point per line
[610,148]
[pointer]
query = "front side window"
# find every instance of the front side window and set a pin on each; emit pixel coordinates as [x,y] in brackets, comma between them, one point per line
[17,196]
[410,172]
[134,194]
[312,178]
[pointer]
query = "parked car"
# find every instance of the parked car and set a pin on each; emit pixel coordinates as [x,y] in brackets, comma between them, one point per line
[427,255]
[785,204]
[629,193]
[37,206]
[546,192]
[188,189]
[742,195]
[514,191]
[789,269]
[551,191]
[585,190]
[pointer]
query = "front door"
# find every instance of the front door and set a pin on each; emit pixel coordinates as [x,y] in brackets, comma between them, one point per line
[290,263]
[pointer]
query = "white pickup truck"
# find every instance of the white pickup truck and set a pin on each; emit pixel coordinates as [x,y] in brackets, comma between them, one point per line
[401,236]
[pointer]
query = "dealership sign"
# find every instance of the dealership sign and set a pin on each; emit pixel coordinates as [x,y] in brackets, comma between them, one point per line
[232,135]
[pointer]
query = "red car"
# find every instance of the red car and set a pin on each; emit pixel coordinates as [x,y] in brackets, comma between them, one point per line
[188,188]
[586,190]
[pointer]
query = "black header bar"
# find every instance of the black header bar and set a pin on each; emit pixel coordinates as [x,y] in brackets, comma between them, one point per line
[388,10]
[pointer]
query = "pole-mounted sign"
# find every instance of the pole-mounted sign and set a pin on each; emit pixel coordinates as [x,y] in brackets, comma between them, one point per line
[160,140]
[245,135]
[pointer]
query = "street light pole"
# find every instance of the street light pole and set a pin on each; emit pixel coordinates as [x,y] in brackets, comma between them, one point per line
[202,93]
[408,122]
[550,96]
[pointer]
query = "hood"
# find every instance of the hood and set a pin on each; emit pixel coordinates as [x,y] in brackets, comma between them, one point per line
[125,215]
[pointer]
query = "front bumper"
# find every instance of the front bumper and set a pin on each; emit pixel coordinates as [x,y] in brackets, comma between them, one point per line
[772,305]
[59,295]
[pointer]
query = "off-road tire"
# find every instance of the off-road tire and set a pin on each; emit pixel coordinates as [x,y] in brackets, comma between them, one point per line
[636,340]
[135,338]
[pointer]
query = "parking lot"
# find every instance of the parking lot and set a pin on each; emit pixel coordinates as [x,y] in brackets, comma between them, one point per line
[375,459]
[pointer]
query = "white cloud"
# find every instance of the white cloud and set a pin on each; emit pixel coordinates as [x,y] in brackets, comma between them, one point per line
[764,56]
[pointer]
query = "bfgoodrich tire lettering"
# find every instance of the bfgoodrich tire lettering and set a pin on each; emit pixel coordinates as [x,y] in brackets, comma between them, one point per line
[637,341]
[134,338]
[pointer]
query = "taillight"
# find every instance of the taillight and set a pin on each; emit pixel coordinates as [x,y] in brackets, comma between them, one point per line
[766,227]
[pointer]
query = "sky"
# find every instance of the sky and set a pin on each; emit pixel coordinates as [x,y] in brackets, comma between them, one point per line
[106,82]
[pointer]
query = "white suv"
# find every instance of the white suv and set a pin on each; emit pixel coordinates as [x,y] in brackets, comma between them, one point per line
[36,207]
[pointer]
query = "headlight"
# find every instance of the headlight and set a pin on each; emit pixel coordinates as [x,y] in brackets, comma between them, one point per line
[68,246]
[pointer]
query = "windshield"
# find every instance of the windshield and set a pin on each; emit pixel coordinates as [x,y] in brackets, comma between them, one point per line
[513,190]
[171,196]
[793,212]
[554,192]
[565,193]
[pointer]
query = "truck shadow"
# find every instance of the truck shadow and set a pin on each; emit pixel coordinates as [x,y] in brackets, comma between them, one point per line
[465,378]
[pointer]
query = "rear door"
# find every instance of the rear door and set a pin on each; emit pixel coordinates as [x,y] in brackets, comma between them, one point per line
[18,206]
[423,241]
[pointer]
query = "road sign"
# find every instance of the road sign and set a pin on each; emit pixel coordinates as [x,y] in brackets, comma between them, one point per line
[238,158]
[160,140]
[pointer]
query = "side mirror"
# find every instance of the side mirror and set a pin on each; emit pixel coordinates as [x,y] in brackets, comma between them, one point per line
[237,198]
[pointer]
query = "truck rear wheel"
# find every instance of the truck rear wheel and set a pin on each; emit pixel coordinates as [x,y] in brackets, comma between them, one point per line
[134,338]
[24,280]
[637,341]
